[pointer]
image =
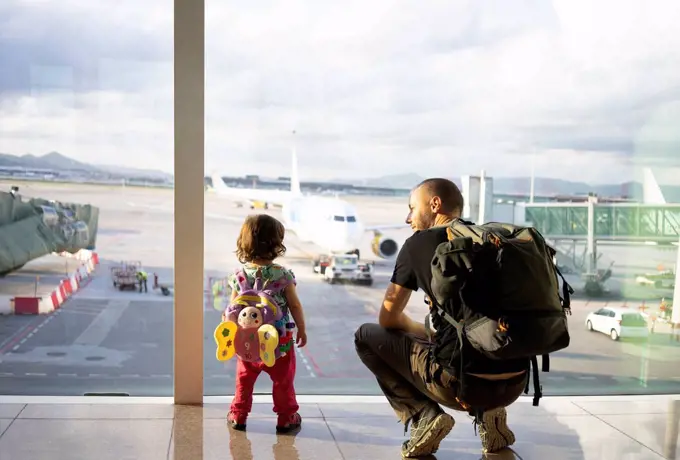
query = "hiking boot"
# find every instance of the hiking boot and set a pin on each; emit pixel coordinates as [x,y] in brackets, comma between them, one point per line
[288,423]
[494,431]
[237,421]
[428,429]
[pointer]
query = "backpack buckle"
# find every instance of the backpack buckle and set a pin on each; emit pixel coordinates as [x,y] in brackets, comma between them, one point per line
[502,325]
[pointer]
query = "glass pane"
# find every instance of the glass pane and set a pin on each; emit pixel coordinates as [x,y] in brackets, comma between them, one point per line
[86,205]
[533,111]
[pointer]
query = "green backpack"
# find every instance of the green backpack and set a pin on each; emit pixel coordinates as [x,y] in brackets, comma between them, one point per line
[496,288]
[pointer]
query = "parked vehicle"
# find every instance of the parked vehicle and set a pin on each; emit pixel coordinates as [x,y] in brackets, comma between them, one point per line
[618,322]
[345,267]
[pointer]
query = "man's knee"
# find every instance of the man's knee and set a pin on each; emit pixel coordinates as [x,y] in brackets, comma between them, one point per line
[363,335]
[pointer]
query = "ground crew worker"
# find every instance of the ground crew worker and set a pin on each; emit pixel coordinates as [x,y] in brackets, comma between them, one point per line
[141,279]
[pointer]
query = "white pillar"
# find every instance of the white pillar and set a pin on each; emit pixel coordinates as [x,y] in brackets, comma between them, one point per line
[482,198]
[591,249]
[675,317]
[533,178]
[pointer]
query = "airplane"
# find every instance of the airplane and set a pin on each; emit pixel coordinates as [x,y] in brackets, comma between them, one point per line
[330,223]
[651,192]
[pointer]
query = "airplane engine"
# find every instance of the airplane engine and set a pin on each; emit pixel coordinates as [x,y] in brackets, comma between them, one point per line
[383,247]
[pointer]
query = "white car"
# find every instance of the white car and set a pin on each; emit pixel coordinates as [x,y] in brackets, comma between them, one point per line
[618,322]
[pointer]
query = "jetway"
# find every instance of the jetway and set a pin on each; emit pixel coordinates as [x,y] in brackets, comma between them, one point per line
[33,228]
[625,222]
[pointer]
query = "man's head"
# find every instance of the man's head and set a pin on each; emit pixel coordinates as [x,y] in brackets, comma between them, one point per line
[432,201]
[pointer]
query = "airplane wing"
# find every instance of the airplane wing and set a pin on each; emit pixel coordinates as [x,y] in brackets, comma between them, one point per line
[273,197]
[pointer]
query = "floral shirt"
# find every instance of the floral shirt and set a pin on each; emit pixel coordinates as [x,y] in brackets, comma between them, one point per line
[270,273]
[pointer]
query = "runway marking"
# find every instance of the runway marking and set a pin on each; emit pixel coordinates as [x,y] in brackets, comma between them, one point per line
[15,342]
[305,362]
[99,329]
[36,374]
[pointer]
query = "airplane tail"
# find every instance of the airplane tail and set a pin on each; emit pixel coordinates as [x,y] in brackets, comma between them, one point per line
[294,178]
[651,192]
[217,183]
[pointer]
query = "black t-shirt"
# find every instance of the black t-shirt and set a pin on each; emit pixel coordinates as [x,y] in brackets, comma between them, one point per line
[412,270]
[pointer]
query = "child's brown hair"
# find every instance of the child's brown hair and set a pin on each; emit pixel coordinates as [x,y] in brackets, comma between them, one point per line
[261,238]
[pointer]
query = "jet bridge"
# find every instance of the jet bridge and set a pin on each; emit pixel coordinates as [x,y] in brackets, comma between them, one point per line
[35,227]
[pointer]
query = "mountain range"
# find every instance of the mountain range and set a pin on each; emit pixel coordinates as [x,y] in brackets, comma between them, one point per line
[522,186]
[56,161]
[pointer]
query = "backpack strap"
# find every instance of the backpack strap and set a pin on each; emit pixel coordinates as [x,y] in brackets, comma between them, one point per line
[241,280]
[259,283]
[567,290]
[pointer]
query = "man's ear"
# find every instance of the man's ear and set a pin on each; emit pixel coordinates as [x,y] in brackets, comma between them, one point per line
[436,204]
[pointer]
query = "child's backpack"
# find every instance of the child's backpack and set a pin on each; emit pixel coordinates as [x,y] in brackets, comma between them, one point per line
[253,323]
[496,289]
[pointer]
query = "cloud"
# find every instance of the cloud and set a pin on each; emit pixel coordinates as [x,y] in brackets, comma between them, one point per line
[589,91]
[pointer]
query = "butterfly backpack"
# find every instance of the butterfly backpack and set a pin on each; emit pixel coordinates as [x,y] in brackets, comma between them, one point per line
[252,325]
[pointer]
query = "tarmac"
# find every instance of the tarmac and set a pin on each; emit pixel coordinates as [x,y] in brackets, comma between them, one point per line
[103,340]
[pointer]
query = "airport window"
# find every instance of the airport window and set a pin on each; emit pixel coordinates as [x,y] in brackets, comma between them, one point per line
[402,110]
[86,190]
[86,122]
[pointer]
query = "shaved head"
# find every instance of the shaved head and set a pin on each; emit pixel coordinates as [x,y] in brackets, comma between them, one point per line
[447,191]
[432,201]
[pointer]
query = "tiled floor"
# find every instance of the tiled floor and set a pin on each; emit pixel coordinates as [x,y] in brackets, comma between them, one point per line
[333,428]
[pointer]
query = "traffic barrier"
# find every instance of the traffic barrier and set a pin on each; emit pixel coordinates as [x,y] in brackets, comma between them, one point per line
[27,305]
[7,308]
[55,299]
[64,291]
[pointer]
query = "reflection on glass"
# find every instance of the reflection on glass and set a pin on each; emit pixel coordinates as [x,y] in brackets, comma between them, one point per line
[370,101]
[85,189]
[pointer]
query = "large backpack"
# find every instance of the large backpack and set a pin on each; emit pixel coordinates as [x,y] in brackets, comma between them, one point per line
[253,324]
[497,286]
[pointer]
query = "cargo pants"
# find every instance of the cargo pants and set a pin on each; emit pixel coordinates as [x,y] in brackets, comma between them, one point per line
[399,363]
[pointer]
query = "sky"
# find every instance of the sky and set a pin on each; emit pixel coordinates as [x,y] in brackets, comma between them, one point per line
[583,90]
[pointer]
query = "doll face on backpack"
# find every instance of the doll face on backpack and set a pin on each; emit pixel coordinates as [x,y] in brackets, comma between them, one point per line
[250,317]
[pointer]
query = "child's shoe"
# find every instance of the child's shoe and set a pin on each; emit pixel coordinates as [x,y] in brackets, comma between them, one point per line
[288,423]
[237,421]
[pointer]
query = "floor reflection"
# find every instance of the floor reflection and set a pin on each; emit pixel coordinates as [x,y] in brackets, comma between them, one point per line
[241,448]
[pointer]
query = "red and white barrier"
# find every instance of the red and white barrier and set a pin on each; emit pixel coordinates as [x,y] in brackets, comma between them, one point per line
[66,288]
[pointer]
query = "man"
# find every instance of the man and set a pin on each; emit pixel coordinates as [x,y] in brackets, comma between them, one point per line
[142,280]
[398,352]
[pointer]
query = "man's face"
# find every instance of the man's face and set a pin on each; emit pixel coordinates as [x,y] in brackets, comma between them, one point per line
[422,210]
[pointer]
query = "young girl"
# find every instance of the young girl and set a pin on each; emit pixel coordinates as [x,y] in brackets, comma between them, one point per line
[259,244]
